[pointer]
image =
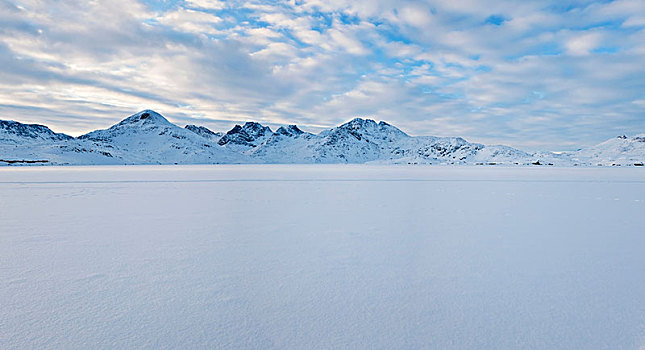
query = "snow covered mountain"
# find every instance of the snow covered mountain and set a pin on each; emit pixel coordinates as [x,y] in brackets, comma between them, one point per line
[149,138]
[364,140]
[287,145]
[37,144]
[357,141]
[15,132]
[621,150]
[248,136]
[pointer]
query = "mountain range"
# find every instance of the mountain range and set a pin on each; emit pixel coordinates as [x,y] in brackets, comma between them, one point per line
[149,138]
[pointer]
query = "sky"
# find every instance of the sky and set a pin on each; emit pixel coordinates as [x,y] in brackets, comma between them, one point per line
[554,75]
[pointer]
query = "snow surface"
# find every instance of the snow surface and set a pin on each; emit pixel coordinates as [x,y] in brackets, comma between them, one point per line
[322,257]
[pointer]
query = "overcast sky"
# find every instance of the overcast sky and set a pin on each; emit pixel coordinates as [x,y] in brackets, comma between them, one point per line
[531,74]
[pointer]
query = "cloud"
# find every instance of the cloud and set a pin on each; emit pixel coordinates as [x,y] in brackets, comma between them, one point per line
[206,4]
[191,21]
[536,74]
[583,44]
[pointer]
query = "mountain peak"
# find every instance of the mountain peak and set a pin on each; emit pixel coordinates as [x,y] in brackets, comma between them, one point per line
[358,123]
[291,130]
[144,121]
[147,116]
[250,135]
[371,127]
[256,129]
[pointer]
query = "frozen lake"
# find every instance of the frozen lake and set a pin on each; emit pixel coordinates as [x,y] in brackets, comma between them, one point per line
[322,257]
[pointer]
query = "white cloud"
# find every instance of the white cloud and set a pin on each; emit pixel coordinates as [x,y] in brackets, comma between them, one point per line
[206,4]
[415,15]
[583,44]
[191,21]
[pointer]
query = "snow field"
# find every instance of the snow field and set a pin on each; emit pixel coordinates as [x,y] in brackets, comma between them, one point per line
[295,257]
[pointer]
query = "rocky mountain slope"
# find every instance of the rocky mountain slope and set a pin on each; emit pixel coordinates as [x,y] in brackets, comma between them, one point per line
[149,138]
[205,132]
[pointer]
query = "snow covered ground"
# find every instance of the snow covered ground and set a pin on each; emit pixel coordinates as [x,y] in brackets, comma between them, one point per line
[313,257]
